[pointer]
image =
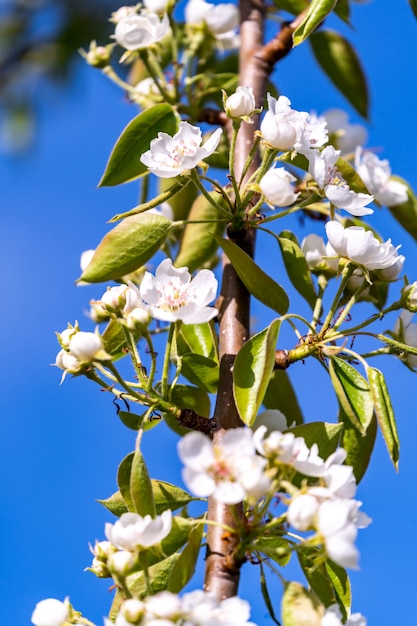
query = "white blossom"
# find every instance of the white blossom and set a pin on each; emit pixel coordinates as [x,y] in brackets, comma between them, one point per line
[164,605]
[50,612]
[346,136]
[407,333]
[122,299]
[318,255]
[157,6]
[276,186]
[121,563]
[173,295]
[220,19]
[361,246]
[170,156]
[333,617]
[135,32]
[87,347]
[132,531]
[313,134]
[273,419]
[65,361]
[409,295]
[281,127]
[241,103]
[322,167]
[302,511]
[376,174]
[229,471]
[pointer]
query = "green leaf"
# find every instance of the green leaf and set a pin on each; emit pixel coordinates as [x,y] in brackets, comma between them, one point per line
[384,412]
[123,481]
[128,246]
[184,567]
[115,504]
[406,213]
[169,496]
[358,447]
[317,576]
[325,435]
[114,339]
[353,393]
[198,244]
[266,596]
[341,585]
[318,11]
[351,176]
[200,371]
[259,284]
[342,9]
[252,371]
[280,395]
[187,397]
[158,574]
[413,5]
[299,607]
[178,536]
[131,420]
[124,163]
[276,548]
[141,486]
[292,6]
[296,267]
[197,338]
[182,201]
[340,62]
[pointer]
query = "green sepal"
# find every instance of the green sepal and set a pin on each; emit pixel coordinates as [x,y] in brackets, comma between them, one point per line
[185,565]
[318,11]
[141,486]
[353,393]
[252,371]
[384,413]
[296,266]
[124,163]
[339,61]
[198,245]
[299,606]
[276,548]
[280,395]
[259,284]
[128,246]
[324,434]
[359,447]
[406,212]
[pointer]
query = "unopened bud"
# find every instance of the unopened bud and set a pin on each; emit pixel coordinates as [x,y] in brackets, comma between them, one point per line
[121,563]
[98,56]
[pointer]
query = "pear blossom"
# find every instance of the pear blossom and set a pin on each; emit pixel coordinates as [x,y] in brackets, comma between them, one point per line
[220,19]
[65,361]
[282,126]
[376,174]
[322,167]
[50,612]
[345,136]
[170,156]
[276,185]
[361,246]
[122,12]
[157,6]
[407,333]
[87,347]
[123,299]
[409,295]
[229,471]
[302,511]
[132,531]
[314,134]
[173,295]
[138,31]
[273,419]
[241,103]
[318,255]
[333,617]
[121,563]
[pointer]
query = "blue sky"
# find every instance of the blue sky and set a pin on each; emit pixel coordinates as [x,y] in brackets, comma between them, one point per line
[61,445]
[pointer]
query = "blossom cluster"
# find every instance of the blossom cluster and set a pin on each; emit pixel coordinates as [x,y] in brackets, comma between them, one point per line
[252,465]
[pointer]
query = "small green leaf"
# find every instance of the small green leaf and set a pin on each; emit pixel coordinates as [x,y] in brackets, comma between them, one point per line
[197,338]
[341,585]
[317,576]
[197,243]
[123,481]
[299,607]
[187,397]
[340,62]
[276,548]
[185,565]
[128,246]
[384,412]
[178,536]
[115,504]
[158,575]
[358,447]
[318,11]
[266,596]
[353,393]
[325,435]
[406,213]
[252,371]
[200,371]
[141,486]
[131,420]
[280,395]
[351,176]
[124,163]
[296,267]
[292,6]
[259,284]
[169,496]
[114,339]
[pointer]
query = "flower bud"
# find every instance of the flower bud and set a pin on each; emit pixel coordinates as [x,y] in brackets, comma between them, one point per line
[137,319]
[65,337]
[103,549]
[156,6]
[87,347]
[121,563]
[277,188]
[98,56]
[121,13]
[99,568]
[409,297]
[132,610]
[50,612]
[135,32]
[65,361]
[241,103]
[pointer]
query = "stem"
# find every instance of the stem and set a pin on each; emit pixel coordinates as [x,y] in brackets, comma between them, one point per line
[346,274]
[165,368]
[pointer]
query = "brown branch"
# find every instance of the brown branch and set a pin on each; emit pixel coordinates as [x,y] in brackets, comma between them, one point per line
[192,420]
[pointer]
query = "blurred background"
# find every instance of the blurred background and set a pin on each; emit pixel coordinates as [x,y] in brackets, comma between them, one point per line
[61,445]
